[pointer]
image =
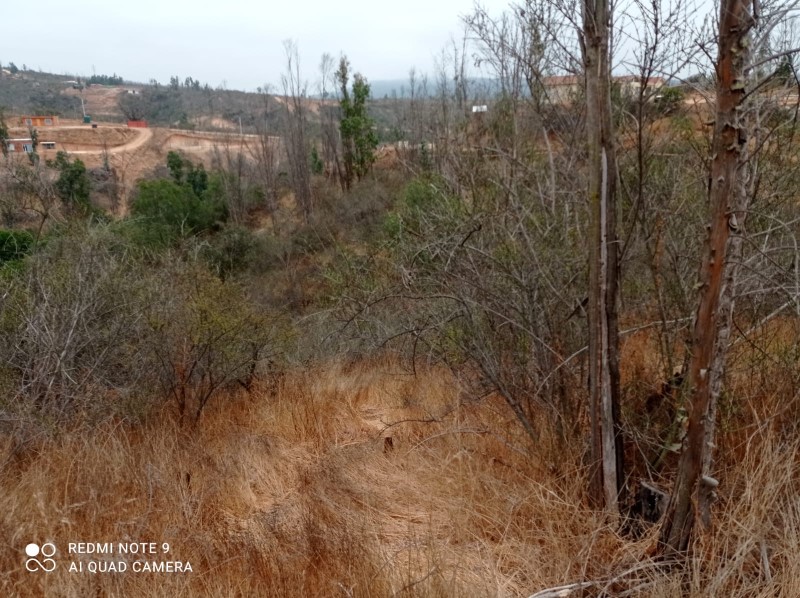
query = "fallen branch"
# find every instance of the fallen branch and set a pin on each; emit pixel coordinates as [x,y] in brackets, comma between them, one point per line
[564,591]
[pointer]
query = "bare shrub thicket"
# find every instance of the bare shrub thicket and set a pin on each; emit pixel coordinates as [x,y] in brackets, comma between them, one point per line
[486,263]
[488,247]
[72,322]
[204,336]
[93,327]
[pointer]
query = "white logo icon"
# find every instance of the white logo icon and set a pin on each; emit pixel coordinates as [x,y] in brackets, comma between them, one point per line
[46,564]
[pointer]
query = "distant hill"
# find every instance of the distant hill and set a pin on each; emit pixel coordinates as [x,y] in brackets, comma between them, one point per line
[401,88]
[182,105]
[190,105]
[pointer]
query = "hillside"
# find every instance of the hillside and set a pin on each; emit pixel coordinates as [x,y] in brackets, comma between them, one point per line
[291,346]
[185,106]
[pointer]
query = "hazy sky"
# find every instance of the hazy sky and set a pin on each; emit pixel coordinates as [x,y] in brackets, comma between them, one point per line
[235,42]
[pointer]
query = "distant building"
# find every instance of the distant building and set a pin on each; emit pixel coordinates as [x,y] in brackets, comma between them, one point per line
[38,121]
[137,124]
[480,108]
[24,144]
[630,85]
[563,89]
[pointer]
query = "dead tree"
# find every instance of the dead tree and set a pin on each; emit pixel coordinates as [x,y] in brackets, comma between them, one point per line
[264,153]
[297,146]
[329,116]
[606,462]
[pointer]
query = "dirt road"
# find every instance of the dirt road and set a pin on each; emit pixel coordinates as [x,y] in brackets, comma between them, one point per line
[142,137]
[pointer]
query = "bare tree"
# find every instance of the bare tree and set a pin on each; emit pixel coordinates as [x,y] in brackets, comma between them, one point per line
[264,153]
[296,137]
[28,189]
[606,455]
[329,115]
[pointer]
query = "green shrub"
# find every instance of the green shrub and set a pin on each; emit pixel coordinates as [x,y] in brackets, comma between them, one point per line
[15,245]
[166,212]
[205,334]
[230,252]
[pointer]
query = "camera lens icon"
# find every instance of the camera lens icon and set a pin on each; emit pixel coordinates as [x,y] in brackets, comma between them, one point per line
[46,564]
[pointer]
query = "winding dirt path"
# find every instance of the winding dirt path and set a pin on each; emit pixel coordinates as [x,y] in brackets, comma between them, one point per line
[142,137]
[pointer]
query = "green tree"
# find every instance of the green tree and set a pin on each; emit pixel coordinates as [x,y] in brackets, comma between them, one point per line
[317,165]
[185,172]
[197,179]
[359,139]
[175,165]
[73,185]
[3,133]
[785,73]
[167,211]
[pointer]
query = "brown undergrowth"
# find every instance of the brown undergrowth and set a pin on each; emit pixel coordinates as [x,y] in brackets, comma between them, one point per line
[293,490]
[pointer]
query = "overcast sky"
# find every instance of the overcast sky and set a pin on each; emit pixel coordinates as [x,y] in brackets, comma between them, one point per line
[237,43]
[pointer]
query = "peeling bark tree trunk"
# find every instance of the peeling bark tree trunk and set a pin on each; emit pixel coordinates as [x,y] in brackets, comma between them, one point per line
[606,441]
[694,486]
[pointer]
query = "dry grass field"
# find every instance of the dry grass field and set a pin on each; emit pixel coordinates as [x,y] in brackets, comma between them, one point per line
[294,490]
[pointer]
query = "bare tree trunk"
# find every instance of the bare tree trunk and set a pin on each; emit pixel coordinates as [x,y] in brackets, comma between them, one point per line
[329,117]
[265,154]
[230,165]
[694,487]
[606,457]
[298,149]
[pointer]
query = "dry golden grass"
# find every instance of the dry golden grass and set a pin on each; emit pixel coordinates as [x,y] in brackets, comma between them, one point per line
[291,491]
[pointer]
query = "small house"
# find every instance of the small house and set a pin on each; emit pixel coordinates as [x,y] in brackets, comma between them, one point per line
[24,144]
[38,121]
[562,89]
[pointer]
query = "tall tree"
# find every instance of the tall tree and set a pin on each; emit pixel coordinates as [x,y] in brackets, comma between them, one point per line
[606,460]
[73,185]
[297,146]
[265,152]
[329,115]
[358,129]
[728,201]
[3,133]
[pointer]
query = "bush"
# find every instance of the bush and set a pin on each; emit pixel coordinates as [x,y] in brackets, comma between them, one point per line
[73,185]
[230,252]
[14,245]
[90,328]
[71,323]
[669,99]
[167,211]
[205,335]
